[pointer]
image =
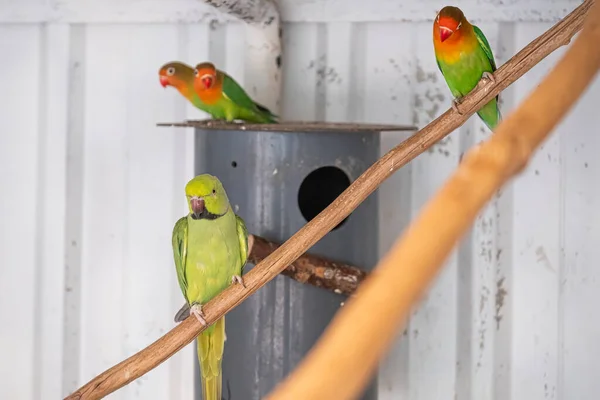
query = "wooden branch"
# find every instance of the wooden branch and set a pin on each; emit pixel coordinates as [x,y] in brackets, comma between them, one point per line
[341,363]
[148,358]
[314,270]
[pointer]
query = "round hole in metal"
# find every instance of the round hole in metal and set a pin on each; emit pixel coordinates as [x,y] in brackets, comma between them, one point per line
[319,189]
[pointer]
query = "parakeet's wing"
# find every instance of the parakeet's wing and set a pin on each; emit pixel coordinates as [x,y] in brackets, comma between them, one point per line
[236,93]
[242,233]
[485,46]
[179,241]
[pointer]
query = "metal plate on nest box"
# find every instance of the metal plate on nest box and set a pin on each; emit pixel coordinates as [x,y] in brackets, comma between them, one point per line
[289,126]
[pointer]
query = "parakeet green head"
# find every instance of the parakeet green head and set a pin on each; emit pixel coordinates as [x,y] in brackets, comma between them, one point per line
[206,197]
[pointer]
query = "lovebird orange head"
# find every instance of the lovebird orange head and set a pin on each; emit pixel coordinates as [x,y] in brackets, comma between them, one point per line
[176,74]
[205,77]
[448,23]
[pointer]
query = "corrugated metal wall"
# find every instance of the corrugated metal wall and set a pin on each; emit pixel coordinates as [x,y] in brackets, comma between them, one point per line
[91,190]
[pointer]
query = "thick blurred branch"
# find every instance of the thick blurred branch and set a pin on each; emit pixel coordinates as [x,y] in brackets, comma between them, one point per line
[148,358]
[330,370]
[314,270]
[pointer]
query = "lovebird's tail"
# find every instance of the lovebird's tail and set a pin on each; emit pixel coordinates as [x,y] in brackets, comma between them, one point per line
[267,114]
[211,343]
[490,114]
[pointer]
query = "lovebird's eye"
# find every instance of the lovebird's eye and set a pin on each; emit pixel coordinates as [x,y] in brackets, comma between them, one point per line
[214,191]
[196,73]
[171,71]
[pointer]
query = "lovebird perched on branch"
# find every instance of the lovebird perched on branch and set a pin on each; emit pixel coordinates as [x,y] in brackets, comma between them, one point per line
[210,247]
[464,57]
[225,98]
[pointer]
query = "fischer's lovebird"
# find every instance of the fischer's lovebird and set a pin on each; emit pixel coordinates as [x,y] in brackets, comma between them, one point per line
[225,98]
[464,57]
[210,248]
[181,77]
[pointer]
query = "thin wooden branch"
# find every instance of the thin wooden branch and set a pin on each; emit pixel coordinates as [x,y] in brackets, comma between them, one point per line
[314,270]
[148,358]
[341,363]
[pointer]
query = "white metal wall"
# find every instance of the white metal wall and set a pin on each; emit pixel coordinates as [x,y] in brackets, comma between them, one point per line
[91,190]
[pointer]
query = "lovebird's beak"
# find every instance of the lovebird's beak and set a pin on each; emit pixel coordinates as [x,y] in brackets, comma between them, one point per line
[164,81]
[445,33]
[197,206]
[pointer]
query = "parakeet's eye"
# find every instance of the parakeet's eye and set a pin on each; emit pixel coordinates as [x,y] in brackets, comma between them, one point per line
[196,73]
[214,191]
[171,71]
[459,24]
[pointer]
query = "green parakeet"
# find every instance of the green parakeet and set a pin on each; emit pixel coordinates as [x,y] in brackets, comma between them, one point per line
[210,247]
[225,99]
[464,56]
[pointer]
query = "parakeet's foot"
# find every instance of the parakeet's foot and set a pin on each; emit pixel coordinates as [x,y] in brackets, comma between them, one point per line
[488,76]
[183,313]
[196,311]
[455,104]
[250,243]
[237,279]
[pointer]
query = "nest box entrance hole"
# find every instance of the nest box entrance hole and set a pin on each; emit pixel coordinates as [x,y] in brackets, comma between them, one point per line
[319,189]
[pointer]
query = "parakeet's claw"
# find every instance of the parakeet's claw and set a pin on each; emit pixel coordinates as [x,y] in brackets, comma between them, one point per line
[238,279]
[183,313]
[196,311]
[488,76]
[455,104]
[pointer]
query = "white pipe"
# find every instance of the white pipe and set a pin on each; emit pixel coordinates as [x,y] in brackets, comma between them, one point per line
[262,78]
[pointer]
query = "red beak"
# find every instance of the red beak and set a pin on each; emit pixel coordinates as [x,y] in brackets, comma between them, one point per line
[207,81]
[164,81]
[445,33]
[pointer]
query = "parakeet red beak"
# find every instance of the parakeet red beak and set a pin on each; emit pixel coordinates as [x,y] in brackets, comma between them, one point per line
[445,33]
[207,80]
[164,81]
[197,206]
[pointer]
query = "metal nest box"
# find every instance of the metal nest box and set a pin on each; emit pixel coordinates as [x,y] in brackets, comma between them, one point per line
[278,177]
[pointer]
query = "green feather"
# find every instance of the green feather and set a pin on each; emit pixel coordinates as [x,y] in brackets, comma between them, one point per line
[234,92]
[180,251]
[242,234]
[487,49]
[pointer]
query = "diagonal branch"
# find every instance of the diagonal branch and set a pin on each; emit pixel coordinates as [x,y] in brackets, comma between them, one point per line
[330,370]
[148,358]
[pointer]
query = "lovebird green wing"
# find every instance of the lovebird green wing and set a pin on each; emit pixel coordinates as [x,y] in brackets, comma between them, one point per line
[488,112]
[234,92]
[487,49]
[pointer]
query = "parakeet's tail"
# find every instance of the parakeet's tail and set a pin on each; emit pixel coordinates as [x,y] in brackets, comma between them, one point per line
[211,343]
[490,114]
